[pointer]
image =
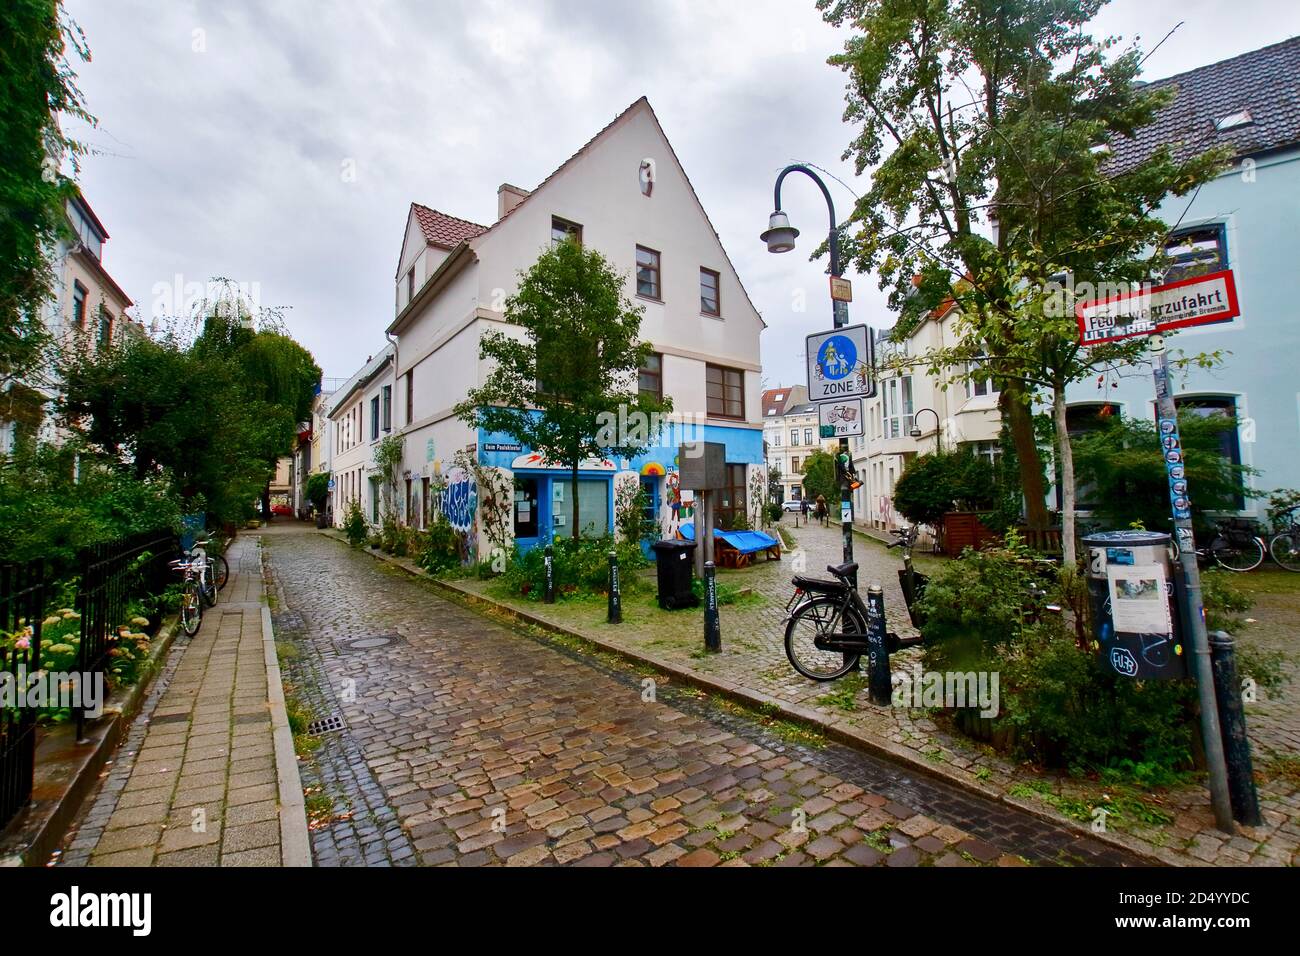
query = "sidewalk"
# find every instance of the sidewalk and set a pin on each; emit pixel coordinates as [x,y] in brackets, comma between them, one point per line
[1179,829]
[207,775]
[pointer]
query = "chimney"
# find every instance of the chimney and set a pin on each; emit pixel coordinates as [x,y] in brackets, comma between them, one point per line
[508,197]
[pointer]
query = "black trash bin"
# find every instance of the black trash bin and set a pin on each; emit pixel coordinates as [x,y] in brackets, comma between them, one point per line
[675,561]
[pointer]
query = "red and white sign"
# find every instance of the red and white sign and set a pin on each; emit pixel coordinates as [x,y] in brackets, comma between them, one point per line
[1160,309]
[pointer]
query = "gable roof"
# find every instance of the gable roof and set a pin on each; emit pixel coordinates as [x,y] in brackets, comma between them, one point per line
[1263,82]
[641,103]
[443,230]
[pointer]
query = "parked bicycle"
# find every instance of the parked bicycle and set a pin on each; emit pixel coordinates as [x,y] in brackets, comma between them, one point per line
[1235,545]
[191,609]
[910,580]
[1284,546]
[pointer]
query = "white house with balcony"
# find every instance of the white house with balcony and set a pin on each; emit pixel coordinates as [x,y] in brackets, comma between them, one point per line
[625,194]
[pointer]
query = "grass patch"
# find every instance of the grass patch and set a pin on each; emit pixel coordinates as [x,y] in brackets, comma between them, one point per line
[845,695]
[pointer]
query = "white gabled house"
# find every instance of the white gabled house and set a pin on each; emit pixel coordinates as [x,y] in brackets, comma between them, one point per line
[360,414]
[625,194]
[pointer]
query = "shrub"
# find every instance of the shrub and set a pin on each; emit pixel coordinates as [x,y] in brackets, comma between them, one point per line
[354,523]
[440,547]
[318,490]
[774,513]
[932,485]
[580,567]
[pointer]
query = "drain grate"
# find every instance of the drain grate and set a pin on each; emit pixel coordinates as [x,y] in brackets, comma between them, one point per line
[326,725]
[170,719]
[371,642]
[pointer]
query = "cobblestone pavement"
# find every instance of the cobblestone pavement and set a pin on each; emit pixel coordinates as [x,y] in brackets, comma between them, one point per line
[493,746]
[753,656]
[195,782]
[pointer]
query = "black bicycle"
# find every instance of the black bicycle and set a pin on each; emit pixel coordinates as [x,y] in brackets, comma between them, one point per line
[1284,546]
[1235,546]
[826,625]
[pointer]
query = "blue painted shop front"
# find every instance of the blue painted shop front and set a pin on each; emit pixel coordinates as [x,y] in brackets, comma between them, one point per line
[543,506]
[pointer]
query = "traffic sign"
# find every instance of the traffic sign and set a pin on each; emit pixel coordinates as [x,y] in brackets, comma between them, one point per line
[839,364]
[843,418]
[1163,308]
[841,289]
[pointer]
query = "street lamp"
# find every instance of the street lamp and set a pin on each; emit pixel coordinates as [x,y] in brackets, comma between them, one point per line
[938,431]
[780,237]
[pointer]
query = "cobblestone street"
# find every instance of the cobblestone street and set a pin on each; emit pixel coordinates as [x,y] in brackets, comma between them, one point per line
[462,741]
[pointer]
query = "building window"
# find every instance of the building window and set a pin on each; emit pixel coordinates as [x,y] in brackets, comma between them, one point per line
[647,273]
[424,504]
[105,327]
[410,285]
[562,229]
[388,408]
[896,409]
[725,391]
[794,436]
[651,377]
[1229,437]
[410,396]
[731,505]
[1196,251]
[374,418]
[807,436]
[78,304]
[776,440]
[978,381]
[710,303]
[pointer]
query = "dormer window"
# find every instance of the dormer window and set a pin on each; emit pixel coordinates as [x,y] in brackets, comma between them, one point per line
[1233,120]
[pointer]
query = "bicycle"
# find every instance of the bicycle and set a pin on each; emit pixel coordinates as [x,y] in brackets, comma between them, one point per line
[1236,546]
[198,554]
[191,610]
[1284,547]
[912,581]
[218,568]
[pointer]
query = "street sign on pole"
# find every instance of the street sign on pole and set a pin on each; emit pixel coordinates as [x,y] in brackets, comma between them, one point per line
[839,364]
[1163,308]
[841,289]
[843,418]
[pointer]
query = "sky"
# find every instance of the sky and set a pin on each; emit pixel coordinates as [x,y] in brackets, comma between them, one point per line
[280,144]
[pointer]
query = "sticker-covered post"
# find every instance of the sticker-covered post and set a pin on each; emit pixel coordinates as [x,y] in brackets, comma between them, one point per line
[1172,449]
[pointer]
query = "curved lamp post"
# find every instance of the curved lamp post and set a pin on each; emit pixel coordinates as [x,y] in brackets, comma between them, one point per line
[938,429]
[780,237]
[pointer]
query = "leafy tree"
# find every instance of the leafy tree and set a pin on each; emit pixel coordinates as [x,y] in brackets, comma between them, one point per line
[1122,466]
[819,478]
[560,387]
[37,84]
[980,120]
[318,490]
[775,490]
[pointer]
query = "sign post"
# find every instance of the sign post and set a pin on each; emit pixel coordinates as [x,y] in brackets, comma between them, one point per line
[1151,312]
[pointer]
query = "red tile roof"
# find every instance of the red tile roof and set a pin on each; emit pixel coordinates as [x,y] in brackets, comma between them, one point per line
[443,230]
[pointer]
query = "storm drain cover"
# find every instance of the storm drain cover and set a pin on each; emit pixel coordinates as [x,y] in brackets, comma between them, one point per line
[326,725]
[372,642]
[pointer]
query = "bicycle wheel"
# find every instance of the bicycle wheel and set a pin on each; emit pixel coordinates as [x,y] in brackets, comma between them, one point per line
[821,616]
[1241,555]
[220,571]
[1285,549]
[191,607]
[208,587]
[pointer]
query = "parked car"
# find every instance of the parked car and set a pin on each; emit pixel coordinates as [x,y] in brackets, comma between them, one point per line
[792,505]
[282,509]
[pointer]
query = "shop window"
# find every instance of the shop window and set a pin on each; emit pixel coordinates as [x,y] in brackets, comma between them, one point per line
[731,499]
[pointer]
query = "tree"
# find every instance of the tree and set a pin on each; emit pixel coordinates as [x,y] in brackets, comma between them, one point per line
[819,477]
[37,84]
[568,387]
[995,117]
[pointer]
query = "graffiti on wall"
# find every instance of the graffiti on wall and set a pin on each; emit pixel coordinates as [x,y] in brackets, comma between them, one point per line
[460,500]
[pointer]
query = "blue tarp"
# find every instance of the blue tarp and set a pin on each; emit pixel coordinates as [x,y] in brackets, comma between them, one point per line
[746,542]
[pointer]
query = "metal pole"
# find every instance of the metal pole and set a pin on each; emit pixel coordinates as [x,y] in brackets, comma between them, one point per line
[1232,717]
[879,679]
[615,602]
[1185,542]
[712,625]
[549,563]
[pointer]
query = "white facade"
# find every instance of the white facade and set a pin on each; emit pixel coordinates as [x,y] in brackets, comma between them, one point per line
[453,278]
[360,414]
[791,436]
[964,413]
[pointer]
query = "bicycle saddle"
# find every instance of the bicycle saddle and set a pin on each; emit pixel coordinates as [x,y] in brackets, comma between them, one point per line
[842,570]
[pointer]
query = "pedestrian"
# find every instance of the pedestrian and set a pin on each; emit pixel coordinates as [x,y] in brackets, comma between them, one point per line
[821,509]
[803,510]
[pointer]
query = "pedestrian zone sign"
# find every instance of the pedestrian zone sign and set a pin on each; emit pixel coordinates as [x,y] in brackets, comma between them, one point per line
[839,364]
[1163,308]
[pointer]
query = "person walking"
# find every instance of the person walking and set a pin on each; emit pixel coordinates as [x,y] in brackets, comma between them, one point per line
[821,509]
[803,510]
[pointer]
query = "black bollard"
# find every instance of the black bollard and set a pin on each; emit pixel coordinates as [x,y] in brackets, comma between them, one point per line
[549,562]
[879,679]
[712,626]
[615,601]
[1232,723]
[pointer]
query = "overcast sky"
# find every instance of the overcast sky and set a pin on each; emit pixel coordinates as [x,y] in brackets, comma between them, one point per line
[282,143]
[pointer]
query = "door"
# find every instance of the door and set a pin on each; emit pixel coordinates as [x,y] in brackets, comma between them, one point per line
[526,510]
[650,487]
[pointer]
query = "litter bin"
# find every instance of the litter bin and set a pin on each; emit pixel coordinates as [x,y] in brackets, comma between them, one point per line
[1136,627]
[674,561]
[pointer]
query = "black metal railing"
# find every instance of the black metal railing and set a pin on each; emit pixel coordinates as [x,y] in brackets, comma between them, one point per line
[22,608]
[112,574]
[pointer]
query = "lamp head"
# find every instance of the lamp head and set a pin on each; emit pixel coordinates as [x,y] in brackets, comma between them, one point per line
[780,235]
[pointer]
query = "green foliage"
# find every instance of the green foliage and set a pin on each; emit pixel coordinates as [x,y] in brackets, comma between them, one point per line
[581,567]
[37,86]
[355,525]
[1282,508]
[630,503]
[560,387]
[932,485]
[819,477]
[774,513]
[441,547]
[388,460]
[1121,466]
[318,490]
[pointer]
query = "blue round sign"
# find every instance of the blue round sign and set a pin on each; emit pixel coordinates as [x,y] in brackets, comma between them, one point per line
[837,357]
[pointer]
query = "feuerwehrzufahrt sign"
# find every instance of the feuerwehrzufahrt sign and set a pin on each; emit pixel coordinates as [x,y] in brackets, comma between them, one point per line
[839,364]
[1160,309]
